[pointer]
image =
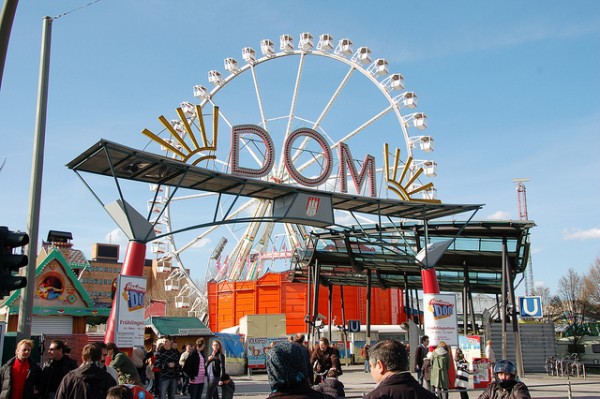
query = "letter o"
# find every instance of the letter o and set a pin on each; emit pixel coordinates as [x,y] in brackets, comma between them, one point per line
[289,165]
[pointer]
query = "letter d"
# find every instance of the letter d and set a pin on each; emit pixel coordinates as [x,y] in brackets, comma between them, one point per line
[236,135]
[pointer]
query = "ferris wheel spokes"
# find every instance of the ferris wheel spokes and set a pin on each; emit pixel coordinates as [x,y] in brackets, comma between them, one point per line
[248,251]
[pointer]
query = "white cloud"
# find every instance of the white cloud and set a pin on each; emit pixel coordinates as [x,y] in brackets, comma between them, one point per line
[116,236]
[577,234]
[519,34]
[202,243]
[499,215]
[538,284]
[346,219]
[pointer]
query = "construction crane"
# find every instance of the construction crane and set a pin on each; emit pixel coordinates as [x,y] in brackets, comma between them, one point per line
[522,202]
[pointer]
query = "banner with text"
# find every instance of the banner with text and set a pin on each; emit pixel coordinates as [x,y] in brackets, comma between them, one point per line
[257,348]
[130,311]
[439,315]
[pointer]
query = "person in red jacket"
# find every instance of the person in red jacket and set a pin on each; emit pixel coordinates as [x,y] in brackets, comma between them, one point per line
[21,377]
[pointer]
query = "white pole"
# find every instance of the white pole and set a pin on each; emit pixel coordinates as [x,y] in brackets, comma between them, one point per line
[35,190]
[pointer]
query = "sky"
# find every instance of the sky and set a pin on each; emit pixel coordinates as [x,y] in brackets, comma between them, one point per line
[510,89]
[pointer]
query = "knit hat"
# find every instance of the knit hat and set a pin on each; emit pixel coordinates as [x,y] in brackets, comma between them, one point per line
[285,365]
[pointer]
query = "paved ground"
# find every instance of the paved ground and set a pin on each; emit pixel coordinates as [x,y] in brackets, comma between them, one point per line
[358,382]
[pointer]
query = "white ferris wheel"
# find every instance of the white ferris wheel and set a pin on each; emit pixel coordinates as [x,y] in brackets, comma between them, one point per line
[345,95]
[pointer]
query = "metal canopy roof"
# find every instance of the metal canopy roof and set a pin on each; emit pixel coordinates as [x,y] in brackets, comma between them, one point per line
[344,256]
[115,160]
[177,326]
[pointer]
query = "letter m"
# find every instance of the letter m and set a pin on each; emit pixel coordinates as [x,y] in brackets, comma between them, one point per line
[367,170]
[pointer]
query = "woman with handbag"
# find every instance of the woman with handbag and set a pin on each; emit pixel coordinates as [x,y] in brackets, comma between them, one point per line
[215,368]
[462,374]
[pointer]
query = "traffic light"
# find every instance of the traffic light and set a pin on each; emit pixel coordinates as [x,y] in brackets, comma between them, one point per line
[10,262]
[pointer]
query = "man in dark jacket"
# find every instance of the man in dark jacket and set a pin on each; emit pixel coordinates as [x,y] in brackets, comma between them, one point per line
[506,385]
[325,358]
[420,356]
[89,380]
[21,377]
[167,359]
[56,368]
[389,369]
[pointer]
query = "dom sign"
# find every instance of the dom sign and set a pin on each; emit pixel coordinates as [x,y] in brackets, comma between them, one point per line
[365,175]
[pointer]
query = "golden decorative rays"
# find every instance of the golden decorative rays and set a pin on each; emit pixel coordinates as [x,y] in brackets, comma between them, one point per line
[192,153]
[395,184]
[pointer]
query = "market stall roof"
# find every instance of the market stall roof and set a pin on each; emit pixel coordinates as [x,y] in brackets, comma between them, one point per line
[389,252]
[177,326]
[112,159]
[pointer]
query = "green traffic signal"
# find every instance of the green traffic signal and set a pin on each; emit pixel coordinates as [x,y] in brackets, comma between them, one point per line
[11,262]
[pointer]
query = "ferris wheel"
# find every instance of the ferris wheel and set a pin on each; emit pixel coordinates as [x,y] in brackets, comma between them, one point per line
[348,102]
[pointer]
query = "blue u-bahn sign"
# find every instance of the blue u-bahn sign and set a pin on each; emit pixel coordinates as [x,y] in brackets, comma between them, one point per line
[531,306]
[353,325]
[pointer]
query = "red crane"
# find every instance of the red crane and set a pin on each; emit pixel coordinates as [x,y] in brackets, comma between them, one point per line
[522,202]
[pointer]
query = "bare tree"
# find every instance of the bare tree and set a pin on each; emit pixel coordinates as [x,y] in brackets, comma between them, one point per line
[591,289]
[574,306]
[550,311]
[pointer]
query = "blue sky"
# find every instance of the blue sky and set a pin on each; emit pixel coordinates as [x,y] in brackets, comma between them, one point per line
[510,89]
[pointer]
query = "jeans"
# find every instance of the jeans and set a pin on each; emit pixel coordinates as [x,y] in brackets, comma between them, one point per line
[185,383]
[227,392]
[168,386]
[212,391]
[195,390]
[367,366]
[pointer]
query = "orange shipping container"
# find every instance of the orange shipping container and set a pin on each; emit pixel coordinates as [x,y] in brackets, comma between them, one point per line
[273,293]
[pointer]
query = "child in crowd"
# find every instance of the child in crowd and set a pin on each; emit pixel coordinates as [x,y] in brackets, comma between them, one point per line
[227,387]
[331,385]
[427,371]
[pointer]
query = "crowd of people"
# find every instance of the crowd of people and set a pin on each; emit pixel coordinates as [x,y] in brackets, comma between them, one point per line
[161,373]
[388,362]
[433,363]
[294,372]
